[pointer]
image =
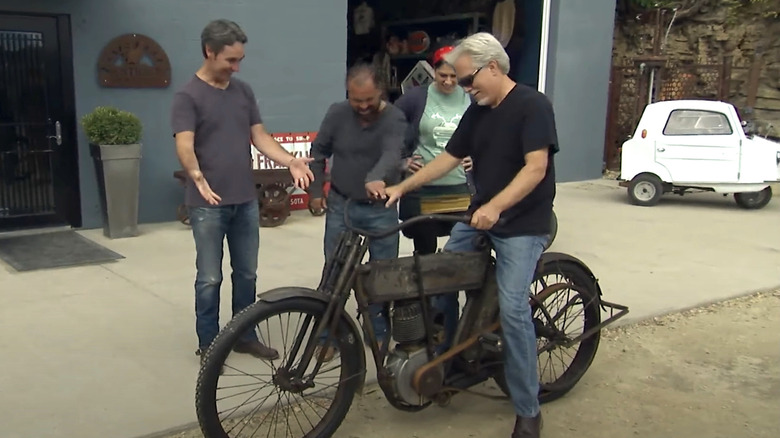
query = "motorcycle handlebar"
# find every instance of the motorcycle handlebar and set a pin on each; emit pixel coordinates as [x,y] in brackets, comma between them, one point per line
[465,218]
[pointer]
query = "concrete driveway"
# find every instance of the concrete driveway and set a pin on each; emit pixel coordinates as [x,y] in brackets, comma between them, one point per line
[107,350]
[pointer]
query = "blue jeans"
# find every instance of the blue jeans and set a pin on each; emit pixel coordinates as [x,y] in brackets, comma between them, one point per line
[369,217]
[516,259]
[210,225]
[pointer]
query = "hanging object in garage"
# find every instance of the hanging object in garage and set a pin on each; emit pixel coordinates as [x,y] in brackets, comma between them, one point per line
[421,74]
[363,19]
[418,42]
[504,21]
[133,61]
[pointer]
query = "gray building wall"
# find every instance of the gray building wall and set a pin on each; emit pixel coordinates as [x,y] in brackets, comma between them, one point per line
[578,67]
[296,69]
[295,61]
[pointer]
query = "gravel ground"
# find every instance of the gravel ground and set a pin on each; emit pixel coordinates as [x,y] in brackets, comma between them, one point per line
[709,372]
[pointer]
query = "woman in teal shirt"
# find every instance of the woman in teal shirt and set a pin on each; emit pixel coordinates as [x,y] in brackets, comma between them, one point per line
[433,112]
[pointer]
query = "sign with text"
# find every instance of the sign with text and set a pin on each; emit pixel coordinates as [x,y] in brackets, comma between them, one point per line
[296,143]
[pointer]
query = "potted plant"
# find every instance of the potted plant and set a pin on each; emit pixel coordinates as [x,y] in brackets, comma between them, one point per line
[114,144]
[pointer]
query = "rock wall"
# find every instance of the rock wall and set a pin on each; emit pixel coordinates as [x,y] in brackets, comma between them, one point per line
[706,37]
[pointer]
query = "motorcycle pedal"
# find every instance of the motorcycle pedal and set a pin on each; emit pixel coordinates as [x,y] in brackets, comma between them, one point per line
[491,342]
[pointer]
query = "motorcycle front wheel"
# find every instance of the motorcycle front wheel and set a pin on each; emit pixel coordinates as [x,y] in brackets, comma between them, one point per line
[238,395]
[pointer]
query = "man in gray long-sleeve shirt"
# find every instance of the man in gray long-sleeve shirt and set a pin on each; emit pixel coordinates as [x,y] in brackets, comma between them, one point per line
[363,136]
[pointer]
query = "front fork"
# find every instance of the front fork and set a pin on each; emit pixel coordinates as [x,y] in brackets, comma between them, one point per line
[338,276]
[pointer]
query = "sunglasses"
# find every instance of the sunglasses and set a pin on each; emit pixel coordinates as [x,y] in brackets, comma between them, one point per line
[468,81]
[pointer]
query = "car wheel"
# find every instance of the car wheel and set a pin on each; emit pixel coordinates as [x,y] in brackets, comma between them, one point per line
[754,200]
[645,190]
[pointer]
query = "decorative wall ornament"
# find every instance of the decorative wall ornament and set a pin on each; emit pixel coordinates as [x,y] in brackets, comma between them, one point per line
[133,61]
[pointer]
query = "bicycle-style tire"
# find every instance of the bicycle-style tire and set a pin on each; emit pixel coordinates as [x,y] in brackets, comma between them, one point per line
[253,315]
[587,347]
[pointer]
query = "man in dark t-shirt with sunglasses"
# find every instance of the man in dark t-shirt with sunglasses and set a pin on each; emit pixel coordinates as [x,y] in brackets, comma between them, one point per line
[510,134]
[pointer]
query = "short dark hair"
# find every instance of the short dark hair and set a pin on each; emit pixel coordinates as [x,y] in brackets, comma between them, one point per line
[361,72]
[220,33]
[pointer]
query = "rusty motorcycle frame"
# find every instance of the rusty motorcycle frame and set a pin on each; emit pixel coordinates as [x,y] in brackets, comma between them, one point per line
[410,373]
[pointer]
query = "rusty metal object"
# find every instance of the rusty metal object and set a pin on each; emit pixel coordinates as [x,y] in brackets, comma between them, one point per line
[272,196]
[272,185]
[425,382]
[274,202]
[133,61]
[754,77]
[395,279]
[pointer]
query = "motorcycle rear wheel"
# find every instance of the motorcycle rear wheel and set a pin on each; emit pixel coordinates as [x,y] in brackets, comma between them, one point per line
[585,295]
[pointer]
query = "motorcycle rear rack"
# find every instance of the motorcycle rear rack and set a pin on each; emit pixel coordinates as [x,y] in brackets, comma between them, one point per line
[606,306]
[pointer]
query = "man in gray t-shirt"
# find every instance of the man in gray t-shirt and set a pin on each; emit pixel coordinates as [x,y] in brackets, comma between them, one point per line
[363,136]
[215,119]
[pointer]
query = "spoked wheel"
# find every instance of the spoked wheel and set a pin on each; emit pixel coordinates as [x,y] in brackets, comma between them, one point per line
[274,205]
[257,398]
[565,305]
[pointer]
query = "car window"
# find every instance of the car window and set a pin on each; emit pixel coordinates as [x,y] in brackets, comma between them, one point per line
[697,122]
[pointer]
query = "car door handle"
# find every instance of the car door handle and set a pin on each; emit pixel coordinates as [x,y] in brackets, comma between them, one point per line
[661,149]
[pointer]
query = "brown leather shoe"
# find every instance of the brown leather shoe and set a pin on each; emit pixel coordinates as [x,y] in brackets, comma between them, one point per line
[526,427]
[256,349]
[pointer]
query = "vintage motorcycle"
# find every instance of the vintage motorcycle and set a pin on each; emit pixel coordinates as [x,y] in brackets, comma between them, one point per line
[311,395]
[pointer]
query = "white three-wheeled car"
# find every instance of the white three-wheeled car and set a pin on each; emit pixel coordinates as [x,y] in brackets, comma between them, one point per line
[697,145]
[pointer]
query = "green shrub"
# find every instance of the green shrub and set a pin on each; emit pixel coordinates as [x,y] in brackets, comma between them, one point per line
[107,125]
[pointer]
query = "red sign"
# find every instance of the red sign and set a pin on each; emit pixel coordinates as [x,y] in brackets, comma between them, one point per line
[298,144]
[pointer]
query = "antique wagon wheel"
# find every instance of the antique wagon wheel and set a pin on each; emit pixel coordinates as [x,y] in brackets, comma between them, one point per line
[274,204]
[182,214]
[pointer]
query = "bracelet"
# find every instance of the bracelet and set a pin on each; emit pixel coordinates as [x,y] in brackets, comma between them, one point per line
[291,160]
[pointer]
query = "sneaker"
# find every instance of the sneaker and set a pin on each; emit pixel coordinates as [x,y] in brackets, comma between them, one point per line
[202,353]
[256,349]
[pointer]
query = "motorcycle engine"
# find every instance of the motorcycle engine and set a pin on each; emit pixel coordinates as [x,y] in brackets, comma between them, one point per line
[410,352]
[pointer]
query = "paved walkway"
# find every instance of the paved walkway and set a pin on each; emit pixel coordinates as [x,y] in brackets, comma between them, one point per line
[107,351]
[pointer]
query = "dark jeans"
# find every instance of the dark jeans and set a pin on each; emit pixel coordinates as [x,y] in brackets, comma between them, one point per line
[210,225]
[425,235]
[516,259]
[369,217]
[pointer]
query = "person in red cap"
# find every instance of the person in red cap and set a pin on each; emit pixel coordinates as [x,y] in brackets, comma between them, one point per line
[433,112]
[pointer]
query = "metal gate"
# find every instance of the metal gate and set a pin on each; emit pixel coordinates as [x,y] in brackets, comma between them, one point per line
[25,157]
[38,150]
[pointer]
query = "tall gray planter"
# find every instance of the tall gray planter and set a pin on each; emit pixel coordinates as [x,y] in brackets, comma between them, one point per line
[118,172]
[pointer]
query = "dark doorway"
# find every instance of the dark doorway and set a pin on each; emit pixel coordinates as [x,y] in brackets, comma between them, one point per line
[39,178]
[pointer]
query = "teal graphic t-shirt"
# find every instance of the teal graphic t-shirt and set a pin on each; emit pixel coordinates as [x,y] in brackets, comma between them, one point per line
[439,120]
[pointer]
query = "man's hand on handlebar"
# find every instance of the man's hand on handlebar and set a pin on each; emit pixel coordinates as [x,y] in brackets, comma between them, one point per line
[393,194]
[318,205]
[485,217]
[376,189]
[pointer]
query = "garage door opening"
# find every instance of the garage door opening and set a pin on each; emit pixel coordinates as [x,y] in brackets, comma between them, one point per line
[397,36]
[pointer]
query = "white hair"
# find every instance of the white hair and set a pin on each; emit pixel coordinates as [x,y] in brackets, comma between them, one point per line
[482,47]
